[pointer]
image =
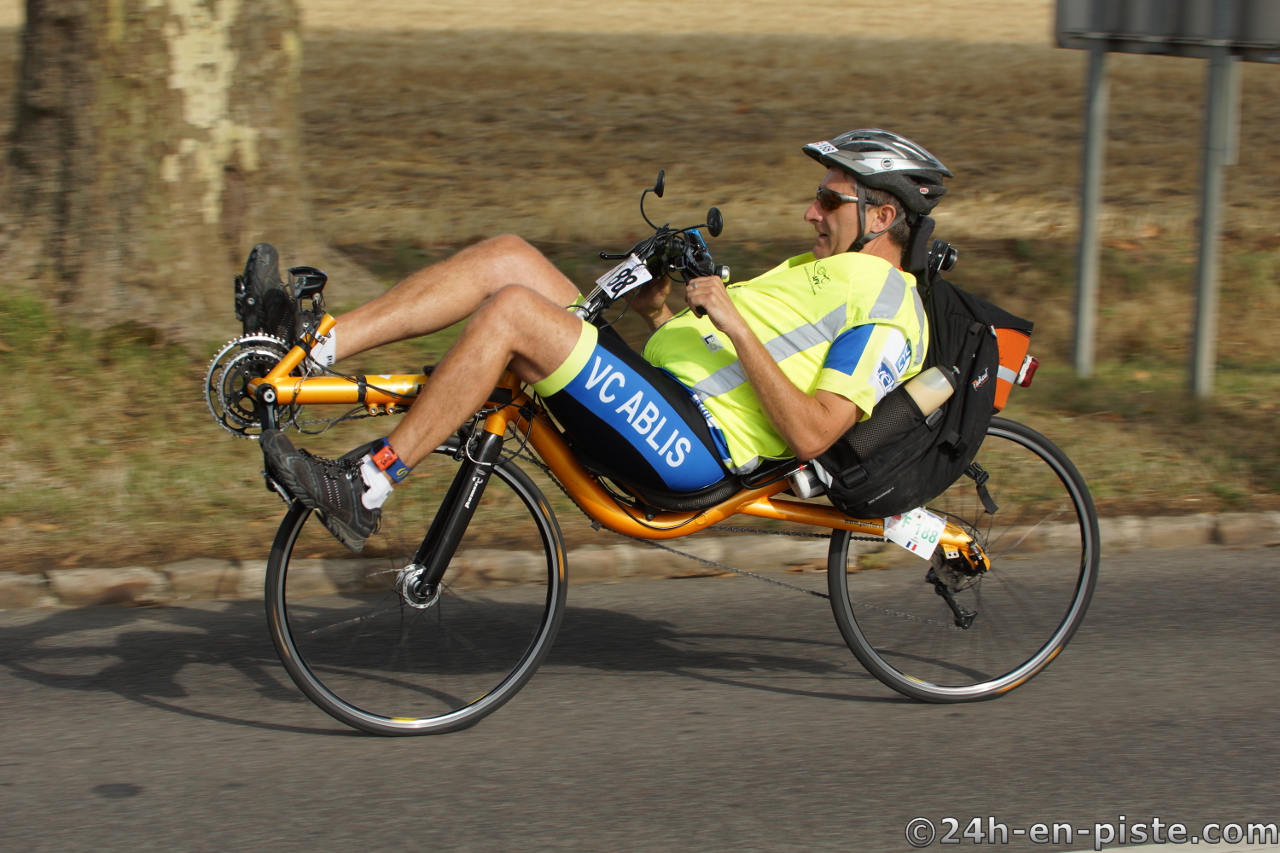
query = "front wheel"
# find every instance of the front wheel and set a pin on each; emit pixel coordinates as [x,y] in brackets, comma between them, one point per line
[1043,545]
[366,650]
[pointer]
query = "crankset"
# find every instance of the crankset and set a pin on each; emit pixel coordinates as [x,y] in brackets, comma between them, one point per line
[226,384]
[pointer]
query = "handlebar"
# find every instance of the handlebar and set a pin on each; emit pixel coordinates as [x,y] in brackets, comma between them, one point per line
[681,253]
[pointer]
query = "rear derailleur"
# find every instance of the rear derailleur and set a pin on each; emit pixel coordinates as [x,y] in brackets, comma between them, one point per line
[949,576]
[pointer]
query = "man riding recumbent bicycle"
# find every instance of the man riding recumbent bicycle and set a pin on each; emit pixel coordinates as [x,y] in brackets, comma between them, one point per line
[852,377]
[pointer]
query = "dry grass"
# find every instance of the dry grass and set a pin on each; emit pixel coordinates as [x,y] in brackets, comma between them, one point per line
[936,20]
[932,20]
[416,107]
[430,123]
[437,136]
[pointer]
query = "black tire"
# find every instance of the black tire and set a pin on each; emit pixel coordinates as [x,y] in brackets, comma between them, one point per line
[356,647]
[1044,550]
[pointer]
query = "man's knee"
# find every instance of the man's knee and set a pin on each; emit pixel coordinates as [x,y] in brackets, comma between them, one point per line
[512,303]
[508,246]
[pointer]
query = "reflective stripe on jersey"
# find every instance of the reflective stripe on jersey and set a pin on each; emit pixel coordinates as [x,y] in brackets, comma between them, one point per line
[891,295]
[797,340]
[798,310]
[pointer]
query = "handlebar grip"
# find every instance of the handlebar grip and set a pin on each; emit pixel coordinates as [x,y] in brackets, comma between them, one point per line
[699,312]
[722,272]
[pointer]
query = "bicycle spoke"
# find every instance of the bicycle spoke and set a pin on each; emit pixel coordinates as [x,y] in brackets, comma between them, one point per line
[1042,544]
[375,659]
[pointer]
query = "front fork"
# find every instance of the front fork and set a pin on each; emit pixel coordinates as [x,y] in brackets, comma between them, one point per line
[421,579]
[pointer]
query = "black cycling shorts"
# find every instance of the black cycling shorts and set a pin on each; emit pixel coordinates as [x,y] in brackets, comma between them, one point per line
[631,416]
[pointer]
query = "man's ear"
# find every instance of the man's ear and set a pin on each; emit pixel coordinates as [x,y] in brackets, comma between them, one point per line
[881,217]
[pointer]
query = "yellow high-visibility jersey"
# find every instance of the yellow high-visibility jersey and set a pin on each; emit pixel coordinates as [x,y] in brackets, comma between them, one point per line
[851,324]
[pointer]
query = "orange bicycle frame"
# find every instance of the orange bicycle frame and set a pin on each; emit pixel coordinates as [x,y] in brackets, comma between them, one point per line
[513,408]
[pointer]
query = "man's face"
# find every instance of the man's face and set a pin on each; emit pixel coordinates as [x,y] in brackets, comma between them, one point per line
[837,229]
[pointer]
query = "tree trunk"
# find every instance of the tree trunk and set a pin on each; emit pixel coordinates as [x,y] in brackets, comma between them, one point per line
[154,142]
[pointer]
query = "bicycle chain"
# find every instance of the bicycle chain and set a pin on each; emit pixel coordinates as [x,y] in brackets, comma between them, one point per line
[520,454]
[744,572]
[727,568]
[333,420]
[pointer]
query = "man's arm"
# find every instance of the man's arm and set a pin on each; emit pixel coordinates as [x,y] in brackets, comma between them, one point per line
[808,424]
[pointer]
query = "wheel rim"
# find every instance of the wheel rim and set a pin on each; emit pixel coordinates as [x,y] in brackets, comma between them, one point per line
[360,649]
[1043,548]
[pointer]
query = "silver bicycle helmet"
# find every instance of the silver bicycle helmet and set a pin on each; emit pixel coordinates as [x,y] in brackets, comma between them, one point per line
[889,162]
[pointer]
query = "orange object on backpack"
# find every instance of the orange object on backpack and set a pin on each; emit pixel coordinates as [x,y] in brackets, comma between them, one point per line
[1013,351]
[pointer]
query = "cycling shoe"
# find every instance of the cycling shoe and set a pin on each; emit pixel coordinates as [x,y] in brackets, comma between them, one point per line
[331,487]
[263,303]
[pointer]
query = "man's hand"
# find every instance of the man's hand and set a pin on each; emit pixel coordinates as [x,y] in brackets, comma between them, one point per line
[651,302]
[710,295]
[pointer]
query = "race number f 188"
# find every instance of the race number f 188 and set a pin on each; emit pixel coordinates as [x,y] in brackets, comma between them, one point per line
[917,531]
[627,275]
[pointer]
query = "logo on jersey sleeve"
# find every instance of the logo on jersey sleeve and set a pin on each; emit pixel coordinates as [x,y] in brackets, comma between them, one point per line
[895,357]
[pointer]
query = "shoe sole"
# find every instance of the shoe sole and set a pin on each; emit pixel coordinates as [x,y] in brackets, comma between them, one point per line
[285,478]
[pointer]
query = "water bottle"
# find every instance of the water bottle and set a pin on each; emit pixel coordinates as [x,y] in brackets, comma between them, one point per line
[930,389]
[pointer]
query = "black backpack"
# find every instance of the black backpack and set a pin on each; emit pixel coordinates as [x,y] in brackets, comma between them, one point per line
[897,459]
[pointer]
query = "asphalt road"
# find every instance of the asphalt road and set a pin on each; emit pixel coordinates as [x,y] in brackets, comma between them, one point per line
[691,715]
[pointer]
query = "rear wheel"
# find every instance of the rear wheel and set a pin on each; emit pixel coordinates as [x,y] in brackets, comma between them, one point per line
[1043,546]
[361,646]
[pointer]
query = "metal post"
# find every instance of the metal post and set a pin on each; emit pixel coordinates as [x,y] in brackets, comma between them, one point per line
[1220,87]
[1232,157]
[1095,133]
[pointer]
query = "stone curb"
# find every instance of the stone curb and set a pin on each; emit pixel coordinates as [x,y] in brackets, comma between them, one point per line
[208,579]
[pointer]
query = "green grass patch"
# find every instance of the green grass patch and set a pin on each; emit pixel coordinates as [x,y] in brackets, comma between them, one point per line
[110,458]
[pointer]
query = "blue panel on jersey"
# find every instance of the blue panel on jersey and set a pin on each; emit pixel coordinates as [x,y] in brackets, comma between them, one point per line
[847,350]
[625,401]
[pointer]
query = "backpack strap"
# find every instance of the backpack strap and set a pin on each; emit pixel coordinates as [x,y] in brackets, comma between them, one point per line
[849,478]
[954,444]
[978,475]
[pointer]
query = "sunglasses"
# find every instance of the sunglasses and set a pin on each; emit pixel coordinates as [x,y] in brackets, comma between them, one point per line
[832,200]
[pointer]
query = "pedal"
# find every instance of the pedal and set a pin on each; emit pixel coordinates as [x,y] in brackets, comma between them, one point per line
[273,486]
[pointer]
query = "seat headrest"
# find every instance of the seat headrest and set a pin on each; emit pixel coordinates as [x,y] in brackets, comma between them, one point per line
[916,255]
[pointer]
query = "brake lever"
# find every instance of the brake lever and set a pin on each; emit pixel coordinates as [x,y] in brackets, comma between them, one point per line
[699,262]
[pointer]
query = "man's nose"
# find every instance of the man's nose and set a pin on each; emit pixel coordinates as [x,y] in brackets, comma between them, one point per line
[813,213]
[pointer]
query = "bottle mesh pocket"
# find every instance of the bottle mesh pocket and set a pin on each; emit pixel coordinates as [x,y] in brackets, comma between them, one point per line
[892,418]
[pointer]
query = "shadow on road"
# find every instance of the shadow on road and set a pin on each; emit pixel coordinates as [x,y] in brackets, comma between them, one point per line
[176,658]
[606,640]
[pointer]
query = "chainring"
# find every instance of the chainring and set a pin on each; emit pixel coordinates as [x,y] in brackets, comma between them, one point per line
[226,384]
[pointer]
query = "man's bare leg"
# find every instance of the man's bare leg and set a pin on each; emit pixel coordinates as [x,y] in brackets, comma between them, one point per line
[444,293]
[516,327]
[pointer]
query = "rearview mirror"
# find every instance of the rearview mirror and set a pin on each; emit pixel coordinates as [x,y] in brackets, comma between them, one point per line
[715,222]
[307,281]
[661,184]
